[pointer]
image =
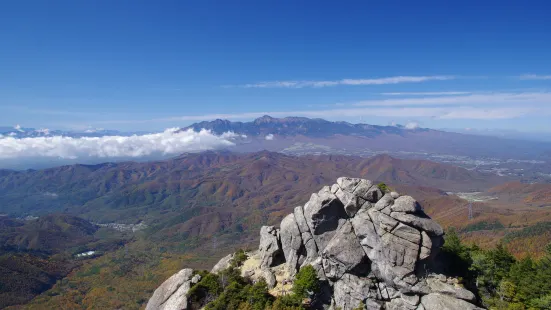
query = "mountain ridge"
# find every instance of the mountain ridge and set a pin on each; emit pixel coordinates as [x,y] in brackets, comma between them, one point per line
[290,126]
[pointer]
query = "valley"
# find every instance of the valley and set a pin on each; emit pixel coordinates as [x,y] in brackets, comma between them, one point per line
[192,209]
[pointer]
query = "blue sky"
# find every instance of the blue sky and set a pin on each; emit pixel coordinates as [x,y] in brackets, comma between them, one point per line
[150,65]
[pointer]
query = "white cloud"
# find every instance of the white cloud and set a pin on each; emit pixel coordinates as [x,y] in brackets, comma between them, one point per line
[18,128]
[51,195]
[434,93]
[318,84]
[165,143]
[535,77]
[359,111]
[269,137]
[481,105]
[412,125]
[44,131]
[497,113]
[473,99]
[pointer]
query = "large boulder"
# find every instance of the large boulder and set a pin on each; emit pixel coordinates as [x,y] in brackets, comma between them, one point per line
[223,263]
[420,222]
[437,285]
[351,290]
[436,301]
[344,254]
[270,250]
[365,230]
[171,295]
[291,243]
[307,239]
[324,214]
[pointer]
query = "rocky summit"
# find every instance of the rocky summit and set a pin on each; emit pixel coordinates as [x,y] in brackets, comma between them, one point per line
[368,247]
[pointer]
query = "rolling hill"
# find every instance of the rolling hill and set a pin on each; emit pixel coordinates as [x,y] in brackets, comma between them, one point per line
[198,207]
[36,253]
[196,196]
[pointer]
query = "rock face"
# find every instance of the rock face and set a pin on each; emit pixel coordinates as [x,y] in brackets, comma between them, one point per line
[171,295]
[270,247]
[367,247]
[223,263]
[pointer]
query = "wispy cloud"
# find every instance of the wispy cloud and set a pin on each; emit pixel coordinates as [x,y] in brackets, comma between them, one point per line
[472,99]
[50,111]
[435,93]
[535,77]
[465,112]
[469,106]
[319,84]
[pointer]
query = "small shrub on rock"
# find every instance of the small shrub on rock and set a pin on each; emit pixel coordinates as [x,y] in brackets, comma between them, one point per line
[306,282]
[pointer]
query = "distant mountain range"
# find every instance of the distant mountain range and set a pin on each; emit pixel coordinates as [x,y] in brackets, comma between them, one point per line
[21,132]
[304,136]
[293,126]
[300,135]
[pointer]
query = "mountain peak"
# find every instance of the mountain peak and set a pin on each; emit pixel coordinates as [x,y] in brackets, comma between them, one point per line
[264,119]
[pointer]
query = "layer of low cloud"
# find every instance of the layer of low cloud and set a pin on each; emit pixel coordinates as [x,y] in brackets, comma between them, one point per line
[169,142]
[535,77]
[355,82]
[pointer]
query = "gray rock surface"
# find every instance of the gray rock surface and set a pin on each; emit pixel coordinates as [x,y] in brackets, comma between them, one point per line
[426,224]
[351,290]
[343,253]
[270,247]
[307,238]
[223,263]
[438,286]
[437,301]
[324,214]
[269,277]
[348,184]
[171,295]
[291,242]
[405,204]
[351,202]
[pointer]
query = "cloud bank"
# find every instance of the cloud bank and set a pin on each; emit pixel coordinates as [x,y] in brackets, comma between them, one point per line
[169,142]
[355,82]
